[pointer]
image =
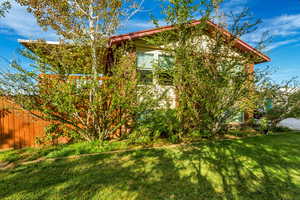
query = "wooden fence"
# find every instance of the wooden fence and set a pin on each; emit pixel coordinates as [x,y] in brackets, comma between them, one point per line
[18,129]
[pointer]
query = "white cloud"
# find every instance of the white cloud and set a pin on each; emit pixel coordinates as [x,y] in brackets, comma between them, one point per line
[282,28]
[18,21]
[235,6]
[278,44]
[138,25]
[135,25]
[227,8]
[282,74]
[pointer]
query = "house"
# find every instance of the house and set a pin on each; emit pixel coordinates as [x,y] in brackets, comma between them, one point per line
[145,55]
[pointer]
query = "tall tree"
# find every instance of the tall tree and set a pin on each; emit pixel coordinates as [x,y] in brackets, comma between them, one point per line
[88,21]
[88,106]
[211,76]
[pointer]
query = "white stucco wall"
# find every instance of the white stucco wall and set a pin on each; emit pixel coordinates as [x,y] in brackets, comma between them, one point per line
[202,44]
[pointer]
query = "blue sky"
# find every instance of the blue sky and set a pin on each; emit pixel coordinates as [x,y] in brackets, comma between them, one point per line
[280,18]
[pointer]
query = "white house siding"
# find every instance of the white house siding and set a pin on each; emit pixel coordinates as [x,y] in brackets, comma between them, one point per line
[159,89]
[202,43]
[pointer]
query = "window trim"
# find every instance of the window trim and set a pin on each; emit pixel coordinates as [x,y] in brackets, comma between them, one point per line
[156,54]
[145,53]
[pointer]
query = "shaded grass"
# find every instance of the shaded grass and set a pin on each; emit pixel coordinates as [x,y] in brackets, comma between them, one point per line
[262,168]
[64,150]
[29,154]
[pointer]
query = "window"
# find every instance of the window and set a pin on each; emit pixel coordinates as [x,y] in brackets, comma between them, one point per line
[145,76]
[238,117]
[145,67]
[145,63]
[268,104]
[166,63]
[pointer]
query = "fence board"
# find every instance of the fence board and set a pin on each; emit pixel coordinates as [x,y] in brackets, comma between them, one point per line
[18,129]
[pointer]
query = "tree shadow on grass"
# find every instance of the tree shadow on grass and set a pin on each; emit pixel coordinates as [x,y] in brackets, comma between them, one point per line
[252,170]
[217,170]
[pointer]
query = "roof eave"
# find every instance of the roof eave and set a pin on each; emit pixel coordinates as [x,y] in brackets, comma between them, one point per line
[135,35]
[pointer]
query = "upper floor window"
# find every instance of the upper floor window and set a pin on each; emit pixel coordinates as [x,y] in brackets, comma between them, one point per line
[145,63]
[166,63]
[145,60]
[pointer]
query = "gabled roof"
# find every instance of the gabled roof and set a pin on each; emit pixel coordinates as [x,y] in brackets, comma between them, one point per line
[239,44]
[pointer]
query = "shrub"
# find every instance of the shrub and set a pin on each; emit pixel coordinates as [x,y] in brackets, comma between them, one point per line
[280,129]
[275,114]
[279,101]
[264,125]
[154,124]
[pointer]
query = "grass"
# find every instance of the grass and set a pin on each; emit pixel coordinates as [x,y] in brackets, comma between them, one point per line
[29,154]
[64,150]
[262,168]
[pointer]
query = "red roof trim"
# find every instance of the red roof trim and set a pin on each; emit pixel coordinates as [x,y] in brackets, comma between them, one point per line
[143,33]
[239,43]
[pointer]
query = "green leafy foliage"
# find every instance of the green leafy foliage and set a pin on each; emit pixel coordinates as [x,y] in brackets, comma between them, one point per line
[155,124]
[293,105]
[264,125]
[210,76]
[212,79]
[284,100]
[81,107]
[101,101]
[4,7]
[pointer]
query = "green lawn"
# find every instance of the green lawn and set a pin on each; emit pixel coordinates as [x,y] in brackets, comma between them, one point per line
[29,154]
[257,168]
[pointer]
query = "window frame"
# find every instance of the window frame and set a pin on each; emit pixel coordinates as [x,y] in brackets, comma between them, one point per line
[166,82]
[156,56]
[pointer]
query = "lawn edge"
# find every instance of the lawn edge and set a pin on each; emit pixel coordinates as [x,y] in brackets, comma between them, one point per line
[11,165]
